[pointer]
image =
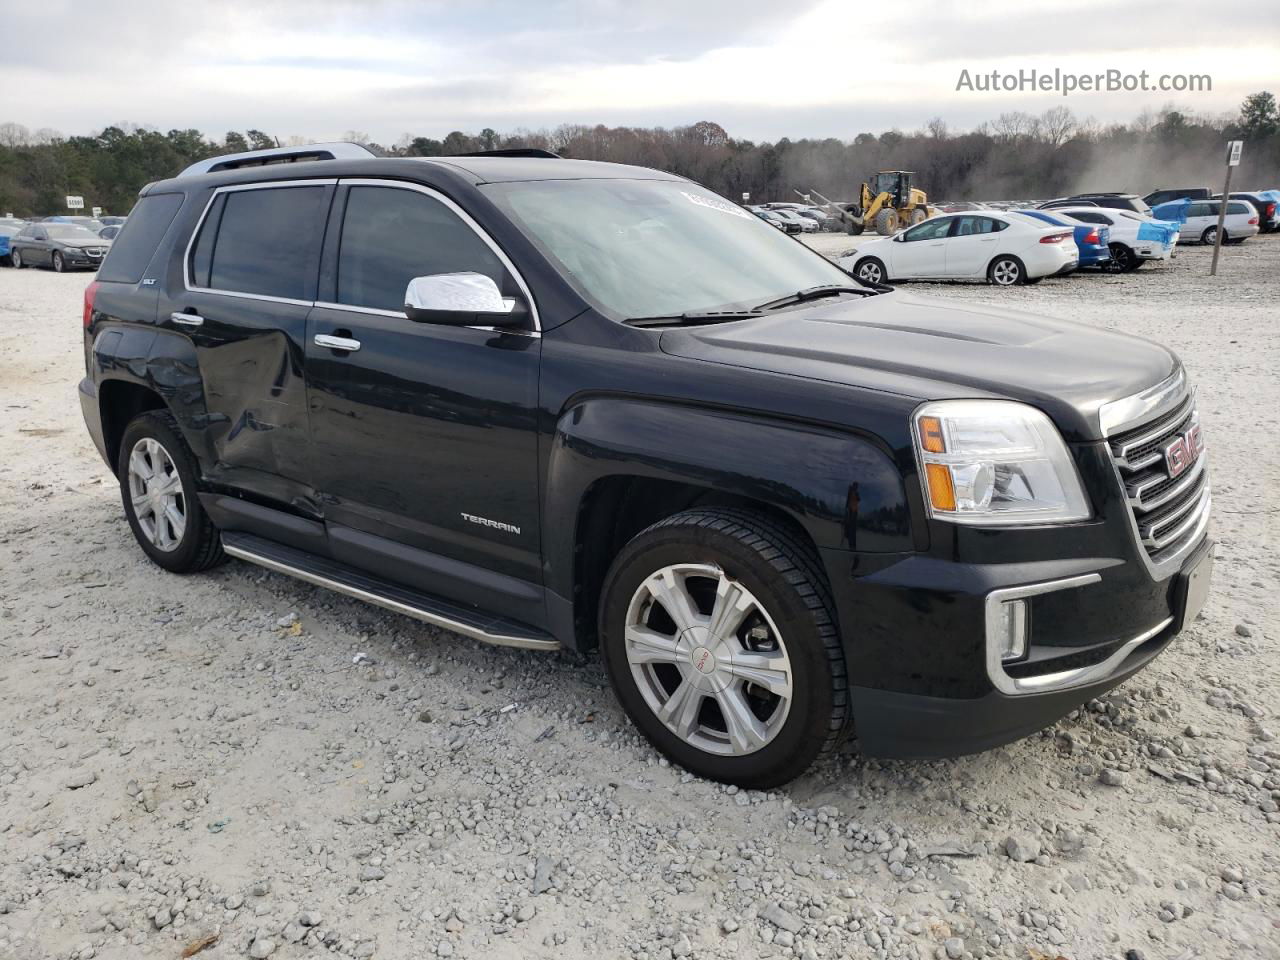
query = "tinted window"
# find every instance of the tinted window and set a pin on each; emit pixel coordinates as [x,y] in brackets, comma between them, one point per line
[202,253]
[929,230]
[390,236]
[1198,210]
[135,244]
[1088,216]
[1238,208]
[268,242]
[970,226]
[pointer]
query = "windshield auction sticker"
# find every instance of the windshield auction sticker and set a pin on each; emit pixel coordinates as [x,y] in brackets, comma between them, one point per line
[724,206]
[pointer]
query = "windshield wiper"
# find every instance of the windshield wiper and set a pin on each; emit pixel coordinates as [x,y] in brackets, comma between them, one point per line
[815,293]
[692,318]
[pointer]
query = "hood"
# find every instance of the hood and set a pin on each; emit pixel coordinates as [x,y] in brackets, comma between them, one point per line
[83,244]
[934,349]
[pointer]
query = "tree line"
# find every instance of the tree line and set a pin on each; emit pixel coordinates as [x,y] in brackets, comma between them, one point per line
[1017,156]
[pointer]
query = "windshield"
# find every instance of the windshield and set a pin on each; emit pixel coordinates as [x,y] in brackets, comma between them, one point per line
[69,231]
[646,248]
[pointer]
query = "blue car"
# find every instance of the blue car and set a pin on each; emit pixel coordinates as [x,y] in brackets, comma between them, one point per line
[1092,241]
[7,229]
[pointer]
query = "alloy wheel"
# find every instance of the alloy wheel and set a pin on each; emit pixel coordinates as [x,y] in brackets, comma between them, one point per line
[156,494]
[1005,273]
[870,272]
[708,659]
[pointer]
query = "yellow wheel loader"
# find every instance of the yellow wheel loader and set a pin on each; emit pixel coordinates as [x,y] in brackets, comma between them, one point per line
[887,203]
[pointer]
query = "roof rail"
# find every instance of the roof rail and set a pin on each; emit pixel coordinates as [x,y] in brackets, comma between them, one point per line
[512,152]
[260,158]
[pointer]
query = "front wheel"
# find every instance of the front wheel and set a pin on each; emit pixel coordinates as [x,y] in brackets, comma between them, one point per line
[157,474]
[871,270]
[720,642]
[15,258]
[1209,236]
[1005,272]
[59,264]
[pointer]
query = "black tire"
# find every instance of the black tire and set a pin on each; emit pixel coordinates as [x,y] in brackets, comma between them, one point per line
[872,266]
[58,263]
[1207,235]
[1032,281]
[1006,271]
[784,574]
[200,546]
[15,258]
[1123,259]
[887,222]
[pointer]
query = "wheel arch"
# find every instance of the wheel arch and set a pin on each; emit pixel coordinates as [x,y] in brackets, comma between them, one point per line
[618,465]
[119,401]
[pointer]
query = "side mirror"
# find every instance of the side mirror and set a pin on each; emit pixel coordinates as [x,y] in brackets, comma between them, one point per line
[461,300]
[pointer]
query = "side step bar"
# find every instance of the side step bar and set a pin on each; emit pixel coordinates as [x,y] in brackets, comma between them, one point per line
[342,579]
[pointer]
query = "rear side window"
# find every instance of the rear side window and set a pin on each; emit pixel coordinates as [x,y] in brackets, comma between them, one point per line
[264,242]
[136,243]
[1237,208]
[391,235]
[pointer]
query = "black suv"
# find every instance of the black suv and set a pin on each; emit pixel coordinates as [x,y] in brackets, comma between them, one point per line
[1116,201]
[552,403]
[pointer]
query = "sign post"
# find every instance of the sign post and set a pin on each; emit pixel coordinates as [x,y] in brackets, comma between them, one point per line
[1234,149]
[745,196]
[97,212]
[75,203]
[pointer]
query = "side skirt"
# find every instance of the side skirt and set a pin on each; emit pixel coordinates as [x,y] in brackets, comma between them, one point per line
[324,572]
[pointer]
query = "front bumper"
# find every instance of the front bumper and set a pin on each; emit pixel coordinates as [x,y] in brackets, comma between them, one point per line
[1093,625]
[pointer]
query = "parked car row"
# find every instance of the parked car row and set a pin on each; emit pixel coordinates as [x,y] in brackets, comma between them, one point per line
[58,242]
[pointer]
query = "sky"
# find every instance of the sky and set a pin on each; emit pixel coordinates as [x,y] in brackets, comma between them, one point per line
[763,69]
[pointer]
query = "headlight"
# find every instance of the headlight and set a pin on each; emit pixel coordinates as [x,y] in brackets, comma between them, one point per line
[995,462]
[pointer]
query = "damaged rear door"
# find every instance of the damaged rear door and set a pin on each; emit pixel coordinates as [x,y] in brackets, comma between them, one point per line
[249,284]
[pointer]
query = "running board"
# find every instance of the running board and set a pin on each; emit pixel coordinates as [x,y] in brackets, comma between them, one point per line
[413,603]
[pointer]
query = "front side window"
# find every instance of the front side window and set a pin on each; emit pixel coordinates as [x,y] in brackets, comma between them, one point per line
[264,242]
[930,230]
[391,235]
[648,248]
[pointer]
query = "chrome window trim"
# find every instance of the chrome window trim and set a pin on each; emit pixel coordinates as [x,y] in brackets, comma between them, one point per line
[470,222]
[235,188]
[1115,416]
[1062,679]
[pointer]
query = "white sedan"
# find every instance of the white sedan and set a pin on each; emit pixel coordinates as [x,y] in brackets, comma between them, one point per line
[1135,239]
[1002,249]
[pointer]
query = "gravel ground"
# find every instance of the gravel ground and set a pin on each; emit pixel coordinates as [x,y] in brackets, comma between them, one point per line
[241,756]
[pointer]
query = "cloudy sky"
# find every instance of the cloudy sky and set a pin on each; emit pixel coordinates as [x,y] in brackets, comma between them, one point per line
[762,68]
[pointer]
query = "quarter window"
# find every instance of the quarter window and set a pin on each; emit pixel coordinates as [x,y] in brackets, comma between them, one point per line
[264,242]
[391,235]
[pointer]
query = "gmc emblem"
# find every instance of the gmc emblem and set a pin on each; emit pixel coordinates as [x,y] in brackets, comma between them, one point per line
[1181,452]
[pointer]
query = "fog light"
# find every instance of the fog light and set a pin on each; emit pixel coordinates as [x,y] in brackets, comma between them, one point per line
[1010,630]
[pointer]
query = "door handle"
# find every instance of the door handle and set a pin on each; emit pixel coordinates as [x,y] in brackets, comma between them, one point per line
[337,343]
[187,319]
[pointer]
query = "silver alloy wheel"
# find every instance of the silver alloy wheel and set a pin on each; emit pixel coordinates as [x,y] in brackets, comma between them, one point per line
[869,272]
[1005,273]
[708,659]
[58,263]
[155,491]
[1210,235]
[15,258]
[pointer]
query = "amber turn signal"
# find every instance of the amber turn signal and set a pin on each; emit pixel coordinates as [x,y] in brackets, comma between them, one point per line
[931,435]
[942,492]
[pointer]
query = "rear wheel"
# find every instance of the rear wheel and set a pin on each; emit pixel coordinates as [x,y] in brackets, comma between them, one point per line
[871,270]
[158,486]
[1006,271]
[887,222]
[1123,259]
[59,264]
[720,641]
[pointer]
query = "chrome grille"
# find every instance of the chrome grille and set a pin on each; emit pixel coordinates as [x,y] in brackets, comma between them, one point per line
[1167,509]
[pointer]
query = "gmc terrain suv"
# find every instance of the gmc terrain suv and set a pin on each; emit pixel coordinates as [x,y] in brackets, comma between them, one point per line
[551,403]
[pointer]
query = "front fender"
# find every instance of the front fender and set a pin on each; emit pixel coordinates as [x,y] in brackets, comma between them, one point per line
[841,487]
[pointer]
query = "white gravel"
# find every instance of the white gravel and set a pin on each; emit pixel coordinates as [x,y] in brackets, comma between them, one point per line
[183,758]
